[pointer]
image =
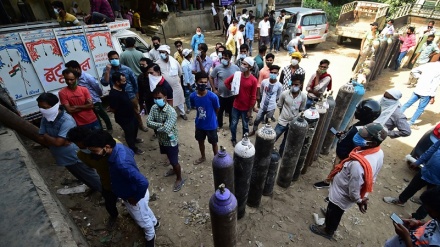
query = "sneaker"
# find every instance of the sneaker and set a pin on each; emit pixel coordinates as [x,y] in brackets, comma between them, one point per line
[321,185]
[157,225]
[139,152]
[234,143]
[188,111]
[393,200]
[184,117]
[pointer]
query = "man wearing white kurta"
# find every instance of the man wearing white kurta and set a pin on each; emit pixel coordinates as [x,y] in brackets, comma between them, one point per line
[172,73]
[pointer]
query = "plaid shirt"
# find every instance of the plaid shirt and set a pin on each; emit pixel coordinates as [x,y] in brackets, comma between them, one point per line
[164,121]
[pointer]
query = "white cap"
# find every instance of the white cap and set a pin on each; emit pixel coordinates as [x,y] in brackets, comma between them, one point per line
[186,52]
[164,48]
[250,61]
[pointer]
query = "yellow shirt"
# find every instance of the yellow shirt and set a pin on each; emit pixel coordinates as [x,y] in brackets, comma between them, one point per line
[136,19]
[178,57]
[69,20]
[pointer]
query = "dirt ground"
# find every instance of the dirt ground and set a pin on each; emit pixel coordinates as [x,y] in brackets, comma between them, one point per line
[281,220]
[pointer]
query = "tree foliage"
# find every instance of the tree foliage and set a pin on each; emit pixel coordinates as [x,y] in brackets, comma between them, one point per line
[331,10]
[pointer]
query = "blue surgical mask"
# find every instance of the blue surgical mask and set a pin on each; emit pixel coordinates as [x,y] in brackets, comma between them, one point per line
[359,141]
[220,55]
[294,89]
[225,62]
[242,56]
[114,62]
[163,56]
[159,102]
[243,68]
[273,76]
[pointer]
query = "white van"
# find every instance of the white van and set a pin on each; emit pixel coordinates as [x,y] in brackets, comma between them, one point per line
[310,22]
[32,56]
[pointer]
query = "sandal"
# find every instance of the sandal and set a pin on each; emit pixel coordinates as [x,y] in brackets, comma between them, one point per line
[319,230]
[199,161]
[169,173]
[179,186]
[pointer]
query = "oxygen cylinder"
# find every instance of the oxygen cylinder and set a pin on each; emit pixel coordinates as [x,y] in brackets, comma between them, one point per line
[244,154]
[295,139]
[264,143]
[223,211]
[343,98]
[223,170]
[315,141]
[331,108]
[311,115]
[271,173]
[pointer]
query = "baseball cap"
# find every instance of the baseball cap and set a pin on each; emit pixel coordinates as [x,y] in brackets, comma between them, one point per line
[186,52]
[374,24]
[377,131]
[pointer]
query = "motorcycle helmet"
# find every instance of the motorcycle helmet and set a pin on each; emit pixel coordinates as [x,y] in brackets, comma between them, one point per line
[367,111]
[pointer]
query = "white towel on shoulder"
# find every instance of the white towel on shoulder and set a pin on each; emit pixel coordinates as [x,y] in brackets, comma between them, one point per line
[235,86]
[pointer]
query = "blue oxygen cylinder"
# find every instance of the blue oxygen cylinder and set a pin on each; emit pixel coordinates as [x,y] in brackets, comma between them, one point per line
[223,170]
[223,211]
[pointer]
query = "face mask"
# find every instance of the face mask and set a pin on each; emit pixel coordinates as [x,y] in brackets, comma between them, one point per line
[179,49]
[323,71]
[114,62]
[144,69]
[269,64]
[359,141]
[164,56]
[201,86]
[98,156]
[86,151]
[272,76]
[156,46]
[199,33]
[428,42]
[56,11]
[122,86]
[72,85]
[294,89]
[385,102]
[159,102]
[51,113]
[242,56]
[220,55]
[294,62]
[243,68]
[388,25]
[225,62]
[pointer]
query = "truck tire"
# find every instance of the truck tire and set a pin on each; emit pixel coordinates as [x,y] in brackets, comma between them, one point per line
[340,40]
[285,41]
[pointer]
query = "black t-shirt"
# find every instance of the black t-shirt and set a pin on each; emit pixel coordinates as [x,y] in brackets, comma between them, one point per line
[121,104]
[345,144]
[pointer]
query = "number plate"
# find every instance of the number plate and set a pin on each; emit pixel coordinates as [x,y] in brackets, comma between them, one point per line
[314,32]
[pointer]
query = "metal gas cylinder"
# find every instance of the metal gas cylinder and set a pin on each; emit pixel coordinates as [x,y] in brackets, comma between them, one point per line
[331,108]
[244,154]
[223,170]
[223,211]
[264,143]
[295,138]
[271,173]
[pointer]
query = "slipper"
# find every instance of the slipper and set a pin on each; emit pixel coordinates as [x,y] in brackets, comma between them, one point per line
[179,186]
[319,230]
[169,173]
[199,161]
[416,200]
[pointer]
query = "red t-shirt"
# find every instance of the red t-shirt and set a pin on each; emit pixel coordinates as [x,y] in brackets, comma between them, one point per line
[247,95]
[79,96]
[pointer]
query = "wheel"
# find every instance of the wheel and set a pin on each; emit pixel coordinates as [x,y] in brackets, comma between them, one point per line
[312,46]
[285,42]
[340,40]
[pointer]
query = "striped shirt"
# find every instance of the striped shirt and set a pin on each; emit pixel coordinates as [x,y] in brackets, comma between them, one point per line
[164,121]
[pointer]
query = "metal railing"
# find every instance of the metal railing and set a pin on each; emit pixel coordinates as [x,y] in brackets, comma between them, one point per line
[418,10]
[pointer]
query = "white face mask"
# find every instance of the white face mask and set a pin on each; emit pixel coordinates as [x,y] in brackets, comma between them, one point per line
[51,113]
[198,33]
[294,62]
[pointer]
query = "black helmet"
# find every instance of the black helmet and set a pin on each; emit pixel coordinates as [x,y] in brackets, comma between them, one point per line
[367,111]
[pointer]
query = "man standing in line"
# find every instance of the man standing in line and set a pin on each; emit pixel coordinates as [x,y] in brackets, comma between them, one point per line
[127,182]
[259,59]
[188,78]
[178,55]
[215,16]
[263,31]
[250,32]
[408,42]
[78,101]
[226,98]
[388,30]
[318,83]
[216,55]
[428,50]
[131,57]
[53,133]
[239,39]
[353,178]
[428,79]
[244,86]
[154,53]
[172,72]
[197,39]
[131,87]
[203,62]
[244,52]
[88,81]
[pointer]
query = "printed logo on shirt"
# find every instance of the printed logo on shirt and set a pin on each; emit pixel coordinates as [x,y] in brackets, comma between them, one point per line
[202,112]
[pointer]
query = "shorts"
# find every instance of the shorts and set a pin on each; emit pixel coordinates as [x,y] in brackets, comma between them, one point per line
[171,152]
[211,134]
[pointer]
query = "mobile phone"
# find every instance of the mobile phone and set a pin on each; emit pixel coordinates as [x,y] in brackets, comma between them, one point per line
[334,131]
[396,218]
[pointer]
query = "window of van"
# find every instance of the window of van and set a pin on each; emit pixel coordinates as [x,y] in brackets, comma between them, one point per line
[314,19]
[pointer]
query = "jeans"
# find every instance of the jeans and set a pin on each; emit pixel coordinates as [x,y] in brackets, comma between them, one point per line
[279,130]
[110,200]
[100,113]
[86,175]
[236,115]
[309,102]
[187,93]
[276,42]
[225,106]
[416,184]
[130,131]
[93,126]
[260,117]
[424,101]
[399,59]
[98,18]
[264,40]
[332,217]
[249,43]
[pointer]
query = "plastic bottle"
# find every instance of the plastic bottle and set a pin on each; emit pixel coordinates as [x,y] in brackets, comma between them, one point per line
[173,139]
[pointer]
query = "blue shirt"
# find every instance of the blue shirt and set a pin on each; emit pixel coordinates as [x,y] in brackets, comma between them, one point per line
[89,82]
[126,179]
[431,160]
[250,30]
[206,106]
[188,76]
[195,41]
[64,155]
[132,87]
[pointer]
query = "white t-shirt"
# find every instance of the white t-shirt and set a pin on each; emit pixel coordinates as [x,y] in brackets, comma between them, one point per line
[264,28]
[239,38]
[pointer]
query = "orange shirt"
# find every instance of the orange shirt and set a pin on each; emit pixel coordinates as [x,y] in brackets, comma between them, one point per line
[79,96]
[264,74]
